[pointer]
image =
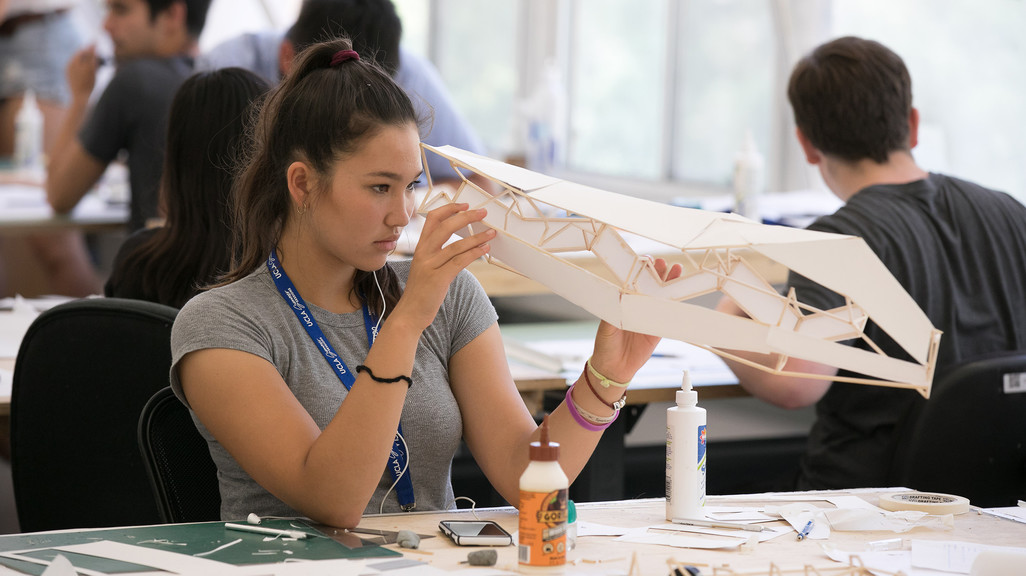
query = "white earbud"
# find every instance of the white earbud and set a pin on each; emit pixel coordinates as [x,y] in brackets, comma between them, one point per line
[253,518]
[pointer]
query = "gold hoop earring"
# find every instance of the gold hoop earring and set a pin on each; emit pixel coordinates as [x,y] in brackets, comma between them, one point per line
[301,209]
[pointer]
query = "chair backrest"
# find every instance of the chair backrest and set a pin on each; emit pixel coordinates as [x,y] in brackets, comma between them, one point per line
[182,473]
[84,371]
[970,438]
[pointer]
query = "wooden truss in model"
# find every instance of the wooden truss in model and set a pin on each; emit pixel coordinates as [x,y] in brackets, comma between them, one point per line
[540,220]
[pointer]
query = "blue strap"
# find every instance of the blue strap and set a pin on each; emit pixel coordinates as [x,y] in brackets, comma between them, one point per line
[398,457]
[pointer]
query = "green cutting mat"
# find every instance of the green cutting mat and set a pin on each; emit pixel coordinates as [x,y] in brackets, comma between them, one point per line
[189,539]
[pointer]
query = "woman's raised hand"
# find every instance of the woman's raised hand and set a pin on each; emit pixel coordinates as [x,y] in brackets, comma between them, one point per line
[435,264]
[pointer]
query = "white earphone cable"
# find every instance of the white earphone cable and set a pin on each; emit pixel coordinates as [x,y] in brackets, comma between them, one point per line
[406,449]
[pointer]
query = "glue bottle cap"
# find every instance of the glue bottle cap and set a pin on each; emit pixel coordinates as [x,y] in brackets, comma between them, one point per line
[543,450]
[687,396]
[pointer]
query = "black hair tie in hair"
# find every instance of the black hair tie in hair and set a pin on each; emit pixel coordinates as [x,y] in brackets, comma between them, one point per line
[344,56]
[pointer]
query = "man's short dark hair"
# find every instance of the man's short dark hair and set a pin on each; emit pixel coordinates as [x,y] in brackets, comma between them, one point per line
[195,13]
[852,99]
[373,26]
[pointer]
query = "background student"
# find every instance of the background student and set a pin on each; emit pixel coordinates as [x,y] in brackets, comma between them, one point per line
[958,248]
[37,39]
[154,43]
[206,132]
[376,31]
[323,201]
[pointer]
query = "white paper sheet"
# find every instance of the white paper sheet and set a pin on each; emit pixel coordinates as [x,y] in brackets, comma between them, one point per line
[596,529]
[161,559]
[1013,513]
[923,558]
[685,539]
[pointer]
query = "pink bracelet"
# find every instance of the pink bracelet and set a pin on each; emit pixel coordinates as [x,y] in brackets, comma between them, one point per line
[581,421]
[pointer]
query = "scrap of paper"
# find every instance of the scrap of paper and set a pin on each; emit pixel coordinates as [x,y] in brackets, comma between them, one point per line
[1013,513]
[738,514]
[60,566]
[901,521]
[799,514]
[596,529]
[768,534]
[160,559]
[924,558]
[679,539]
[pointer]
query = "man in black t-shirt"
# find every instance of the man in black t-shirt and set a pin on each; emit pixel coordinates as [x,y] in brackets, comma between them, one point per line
[957,248]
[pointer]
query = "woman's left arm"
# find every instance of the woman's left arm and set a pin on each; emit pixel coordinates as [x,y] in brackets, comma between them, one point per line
[497,427]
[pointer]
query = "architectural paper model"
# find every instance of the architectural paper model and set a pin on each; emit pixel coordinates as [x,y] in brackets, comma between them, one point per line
[541,219]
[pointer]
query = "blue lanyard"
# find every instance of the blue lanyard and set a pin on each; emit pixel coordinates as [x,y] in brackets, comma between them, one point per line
[397,458]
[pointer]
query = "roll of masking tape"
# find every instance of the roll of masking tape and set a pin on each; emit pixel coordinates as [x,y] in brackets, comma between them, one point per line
[928,502]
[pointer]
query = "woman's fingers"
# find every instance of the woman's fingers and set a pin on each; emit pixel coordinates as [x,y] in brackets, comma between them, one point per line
[666,271]
[446,220]
[441,224]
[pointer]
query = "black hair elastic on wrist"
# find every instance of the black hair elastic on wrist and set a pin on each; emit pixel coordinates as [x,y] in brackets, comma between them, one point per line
[401,377]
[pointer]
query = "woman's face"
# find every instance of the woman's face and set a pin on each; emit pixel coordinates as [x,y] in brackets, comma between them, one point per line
[358,218]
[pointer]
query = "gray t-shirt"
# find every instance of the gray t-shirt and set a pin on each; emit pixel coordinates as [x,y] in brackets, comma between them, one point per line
[132,115]
[250,315]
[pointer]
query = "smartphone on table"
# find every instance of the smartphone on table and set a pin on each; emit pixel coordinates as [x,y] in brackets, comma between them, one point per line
[475,533]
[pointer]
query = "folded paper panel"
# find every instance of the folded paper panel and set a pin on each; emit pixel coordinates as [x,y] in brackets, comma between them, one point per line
[851,269]
[693,324]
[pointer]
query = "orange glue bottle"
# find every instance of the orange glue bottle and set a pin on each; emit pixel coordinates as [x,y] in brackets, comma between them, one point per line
[542,542]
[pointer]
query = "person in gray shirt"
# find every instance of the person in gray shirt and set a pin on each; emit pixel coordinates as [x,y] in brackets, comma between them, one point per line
[330,382]
[376,30]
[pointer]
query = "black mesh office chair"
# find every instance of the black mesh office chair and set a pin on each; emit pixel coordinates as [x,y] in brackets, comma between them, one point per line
[182,474]
[970,438]
[84,371]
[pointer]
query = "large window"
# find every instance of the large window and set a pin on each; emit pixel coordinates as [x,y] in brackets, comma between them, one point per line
[655,97]
[968,80]
[474,45]
[666,90]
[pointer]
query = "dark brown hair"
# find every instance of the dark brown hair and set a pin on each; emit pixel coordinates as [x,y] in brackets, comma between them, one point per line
[319,113]
[852,99]
[206,132]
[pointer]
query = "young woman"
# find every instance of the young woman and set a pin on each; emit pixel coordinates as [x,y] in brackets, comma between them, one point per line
[206,133]
[304,416]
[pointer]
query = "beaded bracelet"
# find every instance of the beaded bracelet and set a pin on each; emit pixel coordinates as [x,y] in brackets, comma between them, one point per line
[401,377]
[581,421]
[614,405]
[605,382]
[594,418]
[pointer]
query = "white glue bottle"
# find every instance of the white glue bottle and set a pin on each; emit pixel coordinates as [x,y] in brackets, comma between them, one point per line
[543,509]
[685,455]
[749,180]
[28,136]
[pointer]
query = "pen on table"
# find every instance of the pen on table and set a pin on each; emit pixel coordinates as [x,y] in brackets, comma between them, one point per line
[710,524]
[297,534]
[805,531]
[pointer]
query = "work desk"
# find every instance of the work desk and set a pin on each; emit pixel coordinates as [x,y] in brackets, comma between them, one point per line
[24,209]
[605,555]
[592,555]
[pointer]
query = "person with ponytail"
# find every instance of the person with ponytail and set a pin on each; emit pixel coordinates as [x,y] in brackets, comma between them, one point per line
[331,381]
